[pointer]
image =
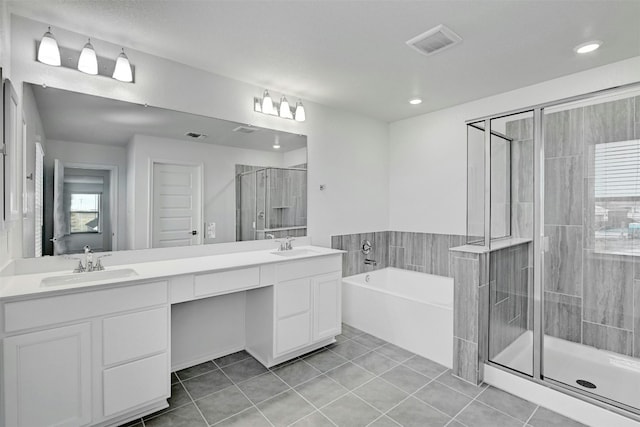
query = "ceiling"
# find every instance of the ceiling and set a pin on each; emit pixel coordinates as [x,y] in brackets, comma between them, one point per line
[352,55]
[76,117]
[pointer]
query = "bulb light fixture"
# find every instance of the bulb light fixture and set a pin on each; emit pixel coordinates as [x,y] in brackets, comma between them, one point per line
[88,62]
[48,50]
[587,47]
[276,142]
[282,109]
[415,101]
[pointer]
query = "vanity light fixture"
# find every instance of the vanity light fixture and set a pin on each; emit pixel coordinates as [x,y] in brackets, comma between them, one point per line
[276,142]
[122,72]
[300,115]
[281,109]
[48,51]
[415,101]
[88,62]
[588,46]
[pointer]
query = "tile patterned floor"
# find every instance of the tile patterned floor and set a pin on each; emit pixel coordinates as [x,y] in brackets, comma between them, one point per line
[360,380]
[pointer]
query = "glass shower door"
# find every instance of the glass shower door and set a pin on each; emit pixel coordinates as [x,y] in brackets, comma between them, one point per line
[591,220]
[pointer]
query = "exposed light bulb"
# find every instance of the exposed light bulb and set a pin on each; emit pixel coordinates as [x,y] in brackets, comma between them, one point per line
[267,103]
[123,71]
[415,101]
[285,109]
[300,115]
[48,51]
[88,62]
[276,142]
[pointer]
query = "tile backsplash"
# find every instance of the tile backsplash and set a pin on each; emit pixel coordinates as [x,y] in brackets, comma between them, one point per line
[423,252]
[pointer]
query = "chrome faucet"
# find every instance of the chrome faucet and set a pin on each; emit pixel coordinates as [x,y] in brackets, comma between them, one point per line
[285,244]
[91,262]
[368,261]
[269,236]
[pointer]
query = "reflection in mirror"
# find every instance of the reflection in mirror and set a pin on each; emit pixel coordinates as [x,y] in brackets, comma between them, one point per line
[115,175]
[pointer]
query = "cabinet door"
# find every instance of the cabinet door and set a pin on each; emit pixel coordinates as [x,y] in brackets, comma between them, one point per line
[327,305]
[47,377]
[293,315]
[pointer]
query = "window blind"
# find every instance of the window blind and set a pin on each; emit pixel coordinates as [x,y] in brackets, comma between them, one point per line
[617,169]
[38,196]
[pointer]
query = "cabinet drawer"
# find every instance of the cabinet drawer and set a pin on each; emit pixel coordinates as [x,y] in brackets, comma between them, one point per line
[293,297]
[226,281]
[292,333]
[134,335]
[309,267]
[64,308]
[127,386]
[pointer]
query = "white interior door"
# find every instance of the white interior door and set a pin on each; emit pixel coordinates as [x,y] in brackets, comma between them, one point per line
[60,229]
[176,212]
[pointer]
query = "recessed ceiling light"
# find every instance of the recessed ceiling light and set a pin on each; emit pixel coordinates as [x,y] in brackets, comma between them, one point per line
[588,46]
[415,101]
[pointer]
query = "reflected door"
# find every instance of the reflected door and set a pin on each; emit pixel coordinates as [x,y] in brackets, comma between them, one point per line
[60,228]
[176,209]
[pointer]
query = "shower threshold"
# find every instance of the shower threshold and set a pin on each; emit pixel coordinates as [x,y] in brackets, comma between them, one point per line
[616,377]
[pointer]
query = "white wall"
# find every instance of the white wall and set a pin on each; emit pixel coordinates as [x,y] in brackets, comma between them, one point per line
[295,157]
[347,151]
[427,172]
[218,162]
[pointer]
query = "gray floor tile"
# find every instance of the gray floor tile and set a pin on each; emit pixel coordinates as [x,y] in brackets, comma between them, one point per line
[350,332]
[251,417]
[394,352]
[193,371]
[380,394]
[507,403]
[413,413]
[205,384]
[185,416]
[243,370]
[314,420]
[349,411]
[296,373]
[325,360]
[231,358]
[425,366]
[455,423]
[179,397]
[443,398]
[375,362]
[223,404]
[341,338]
[174,378]
[349,349]
[369,341]
[460,385]
[285,408]
[405,378]
[384,422]
[321,390]
[262,387]
[480,415]
[543,417]
[350,375]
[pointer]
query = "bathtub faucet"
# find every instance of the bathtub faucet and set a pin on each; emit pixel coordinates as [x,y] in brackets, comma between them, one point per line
[368,261]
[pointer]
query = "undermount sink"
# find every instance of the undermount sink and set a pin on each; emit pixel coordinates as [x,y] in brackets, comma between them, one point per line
[295,252]
[69,279]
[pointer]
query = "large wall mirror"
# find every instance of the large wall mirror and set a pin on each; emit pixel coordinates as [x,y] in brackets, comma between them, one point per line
[115,175]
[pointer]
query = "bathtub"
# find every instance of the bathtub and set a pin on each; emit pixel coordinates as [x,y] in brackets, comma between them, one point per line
[409,309]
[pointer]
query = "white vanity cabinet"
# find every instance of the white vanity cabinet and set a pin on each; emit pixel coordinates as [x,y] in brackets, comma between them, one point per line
[300,313]
[84,358]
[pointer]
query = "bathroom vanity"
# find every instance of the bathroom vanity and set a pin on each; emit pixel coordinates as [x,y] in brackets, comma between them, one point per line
[95,348]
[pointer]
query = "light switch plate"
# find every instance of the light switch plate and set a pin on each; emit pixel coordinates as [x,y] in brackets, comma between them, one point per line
[211,230]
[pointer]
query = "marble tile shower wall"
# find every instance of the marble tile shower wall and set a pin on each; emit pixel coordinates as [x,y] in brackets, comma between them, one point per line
[423,252]
[591,297]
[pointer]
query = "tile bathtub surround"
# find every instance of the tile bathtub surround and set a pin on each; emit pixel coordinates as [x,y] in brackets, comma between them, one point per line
[423,252]
[407,391]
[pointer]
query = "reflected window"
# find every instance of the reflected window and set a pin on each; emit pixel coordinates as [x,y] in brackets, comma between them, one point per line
[84,213]
[616,182]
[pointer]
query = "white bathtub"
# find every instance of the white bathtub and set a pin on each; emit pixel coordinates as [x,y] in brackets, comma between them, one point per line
[409,309]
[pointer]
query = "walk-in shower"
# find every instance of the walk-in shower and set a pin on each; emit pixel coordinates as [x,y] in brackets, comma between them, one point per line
[270,202]
[554,198]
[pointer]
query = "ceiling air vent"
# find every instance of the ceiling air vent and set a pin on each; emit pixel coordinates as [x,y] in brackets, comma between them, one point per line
[435,40]
[195,135]
[244,129]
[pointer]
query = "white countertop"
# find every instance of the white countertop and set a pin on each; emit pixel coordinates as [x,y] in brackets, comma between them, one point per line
[20,285]
[495,246]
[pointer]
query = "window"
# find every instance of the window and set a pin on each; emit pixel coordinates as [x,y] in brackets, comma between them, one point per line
[84,214]
[617,197]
